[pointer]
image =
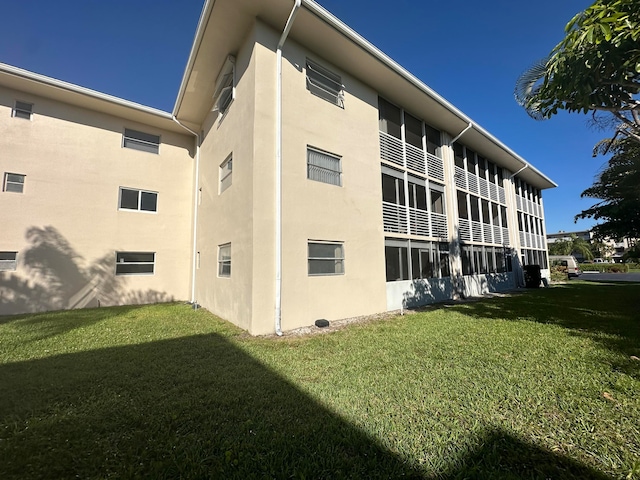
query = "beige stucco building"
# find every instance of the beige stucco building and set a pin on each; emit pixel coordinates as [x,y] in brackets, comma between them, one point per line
[302,175]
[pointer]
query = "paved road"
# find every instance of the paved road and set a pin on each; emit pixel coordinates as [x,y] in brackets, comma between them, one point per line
[610,277]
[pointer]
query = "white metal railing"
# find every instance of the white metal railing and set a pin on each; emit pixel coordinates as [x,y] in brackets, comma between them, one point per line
[461,178]
[394,218]
[415,159]
[435,167]
[484,188]
[476,231]
[419,222]
[505,236]
[487,233]
[497,234]
[464,229]
[472,180]
[439,225]
[391,149]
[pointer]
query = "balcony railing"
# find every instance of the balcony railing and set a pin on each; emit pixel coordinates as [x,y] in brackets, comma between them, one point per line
[401,219]
[479,186]
[410,157]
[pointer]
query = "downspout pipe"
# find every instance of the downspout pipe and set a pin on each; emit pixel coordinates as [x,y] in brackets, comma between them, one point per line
[468,127]
[195,212]
[278,193]
[521,280]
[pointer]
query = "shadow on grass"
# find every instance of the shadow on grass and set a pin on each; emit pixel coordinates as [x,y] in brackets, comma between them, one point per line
[200,407]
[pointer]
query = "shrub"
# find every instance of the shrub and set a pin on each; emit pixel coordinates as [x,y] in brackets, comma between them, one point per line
[605,267]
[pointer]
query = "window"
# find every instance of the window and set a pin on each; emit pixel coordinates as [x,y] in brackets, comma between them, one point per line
[397,260]
[389,118]
[326,258]
[417,194]
[325,84]
[8,261]
[471,161]
[224,260]
[392,188]
[458,155]
[22,110]
[133,199]
[226,170]
[409,259]
[413,130]
[135,263]
[13,182]
[144,142]
[324,167]
[437,201]
[463,211]
[475,208]
[224,92]
[503,215]
[485,211]
[465,256]
[434,141]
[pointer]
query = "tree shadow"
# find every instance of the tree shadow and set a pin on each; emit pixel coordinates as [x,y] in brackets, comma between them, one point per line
[201,407]
[500,454]
[53,276]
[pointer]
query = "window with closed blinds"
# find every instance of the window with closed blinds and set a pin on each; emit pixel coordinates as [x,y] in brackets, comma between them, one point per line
[324,167]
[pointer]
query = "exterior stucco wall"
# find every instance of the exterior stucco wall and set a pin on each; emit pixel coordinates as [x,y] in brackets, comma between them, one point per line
[227,217]
[66,225]
[313,210]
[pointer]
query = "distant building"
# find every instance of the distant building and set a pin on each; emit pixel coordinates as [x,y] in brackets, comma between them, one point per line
[302,174]
[615,250]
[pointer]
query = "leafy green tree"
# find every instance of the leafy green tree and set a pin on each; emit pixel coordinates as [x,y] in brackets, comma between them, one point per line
[595,68]
[572,246]
[618,189]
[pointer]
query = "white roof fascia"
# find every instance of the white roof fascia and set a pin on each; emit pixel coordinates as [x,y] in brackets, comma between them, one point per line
[386,60]
[70,87]
[195,46]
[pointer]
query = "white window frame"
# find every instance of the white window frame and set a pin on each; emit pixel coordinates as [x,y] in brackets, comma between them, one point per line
[225,88]
[133,142]
[226,174]
[7,182]
[139,207]
[8,264]
[122,261]
[224,261]
[338,260]
[325,84]
[322,171]
[20,110]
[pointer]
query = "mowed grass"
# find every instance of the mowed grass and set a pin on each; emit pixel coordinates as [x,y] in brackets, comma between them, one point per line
[543,384]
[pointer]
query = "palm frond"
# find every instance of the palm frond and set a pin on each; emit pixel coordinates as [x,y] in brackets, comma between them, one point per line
[527,87]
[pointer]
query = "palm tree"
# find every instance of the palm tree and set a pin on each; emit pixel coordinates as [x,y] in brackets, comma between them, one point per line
[574,245]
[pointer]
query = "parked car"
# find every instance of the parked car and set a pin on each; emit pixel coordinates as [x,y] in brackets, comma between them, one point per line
[568,261]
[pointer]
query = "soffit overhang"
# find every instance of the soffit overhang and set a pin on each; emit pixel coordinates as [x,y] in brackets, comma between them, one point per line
[225,24]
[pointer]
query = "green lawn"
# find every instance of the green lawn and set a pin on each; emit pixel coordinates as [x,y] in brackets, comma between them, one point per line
[538,385]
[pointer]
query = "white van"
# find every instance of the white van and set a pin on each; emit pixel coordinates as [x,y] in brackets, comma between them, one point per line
[569,261]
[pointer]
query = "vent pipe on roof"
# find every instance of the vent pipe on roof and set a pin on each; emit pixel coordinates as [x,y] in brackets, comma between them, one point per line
[278,219]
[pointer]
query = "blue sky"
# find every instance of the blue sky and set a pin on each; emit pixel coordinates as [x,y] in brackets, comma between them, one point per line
[470,52]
